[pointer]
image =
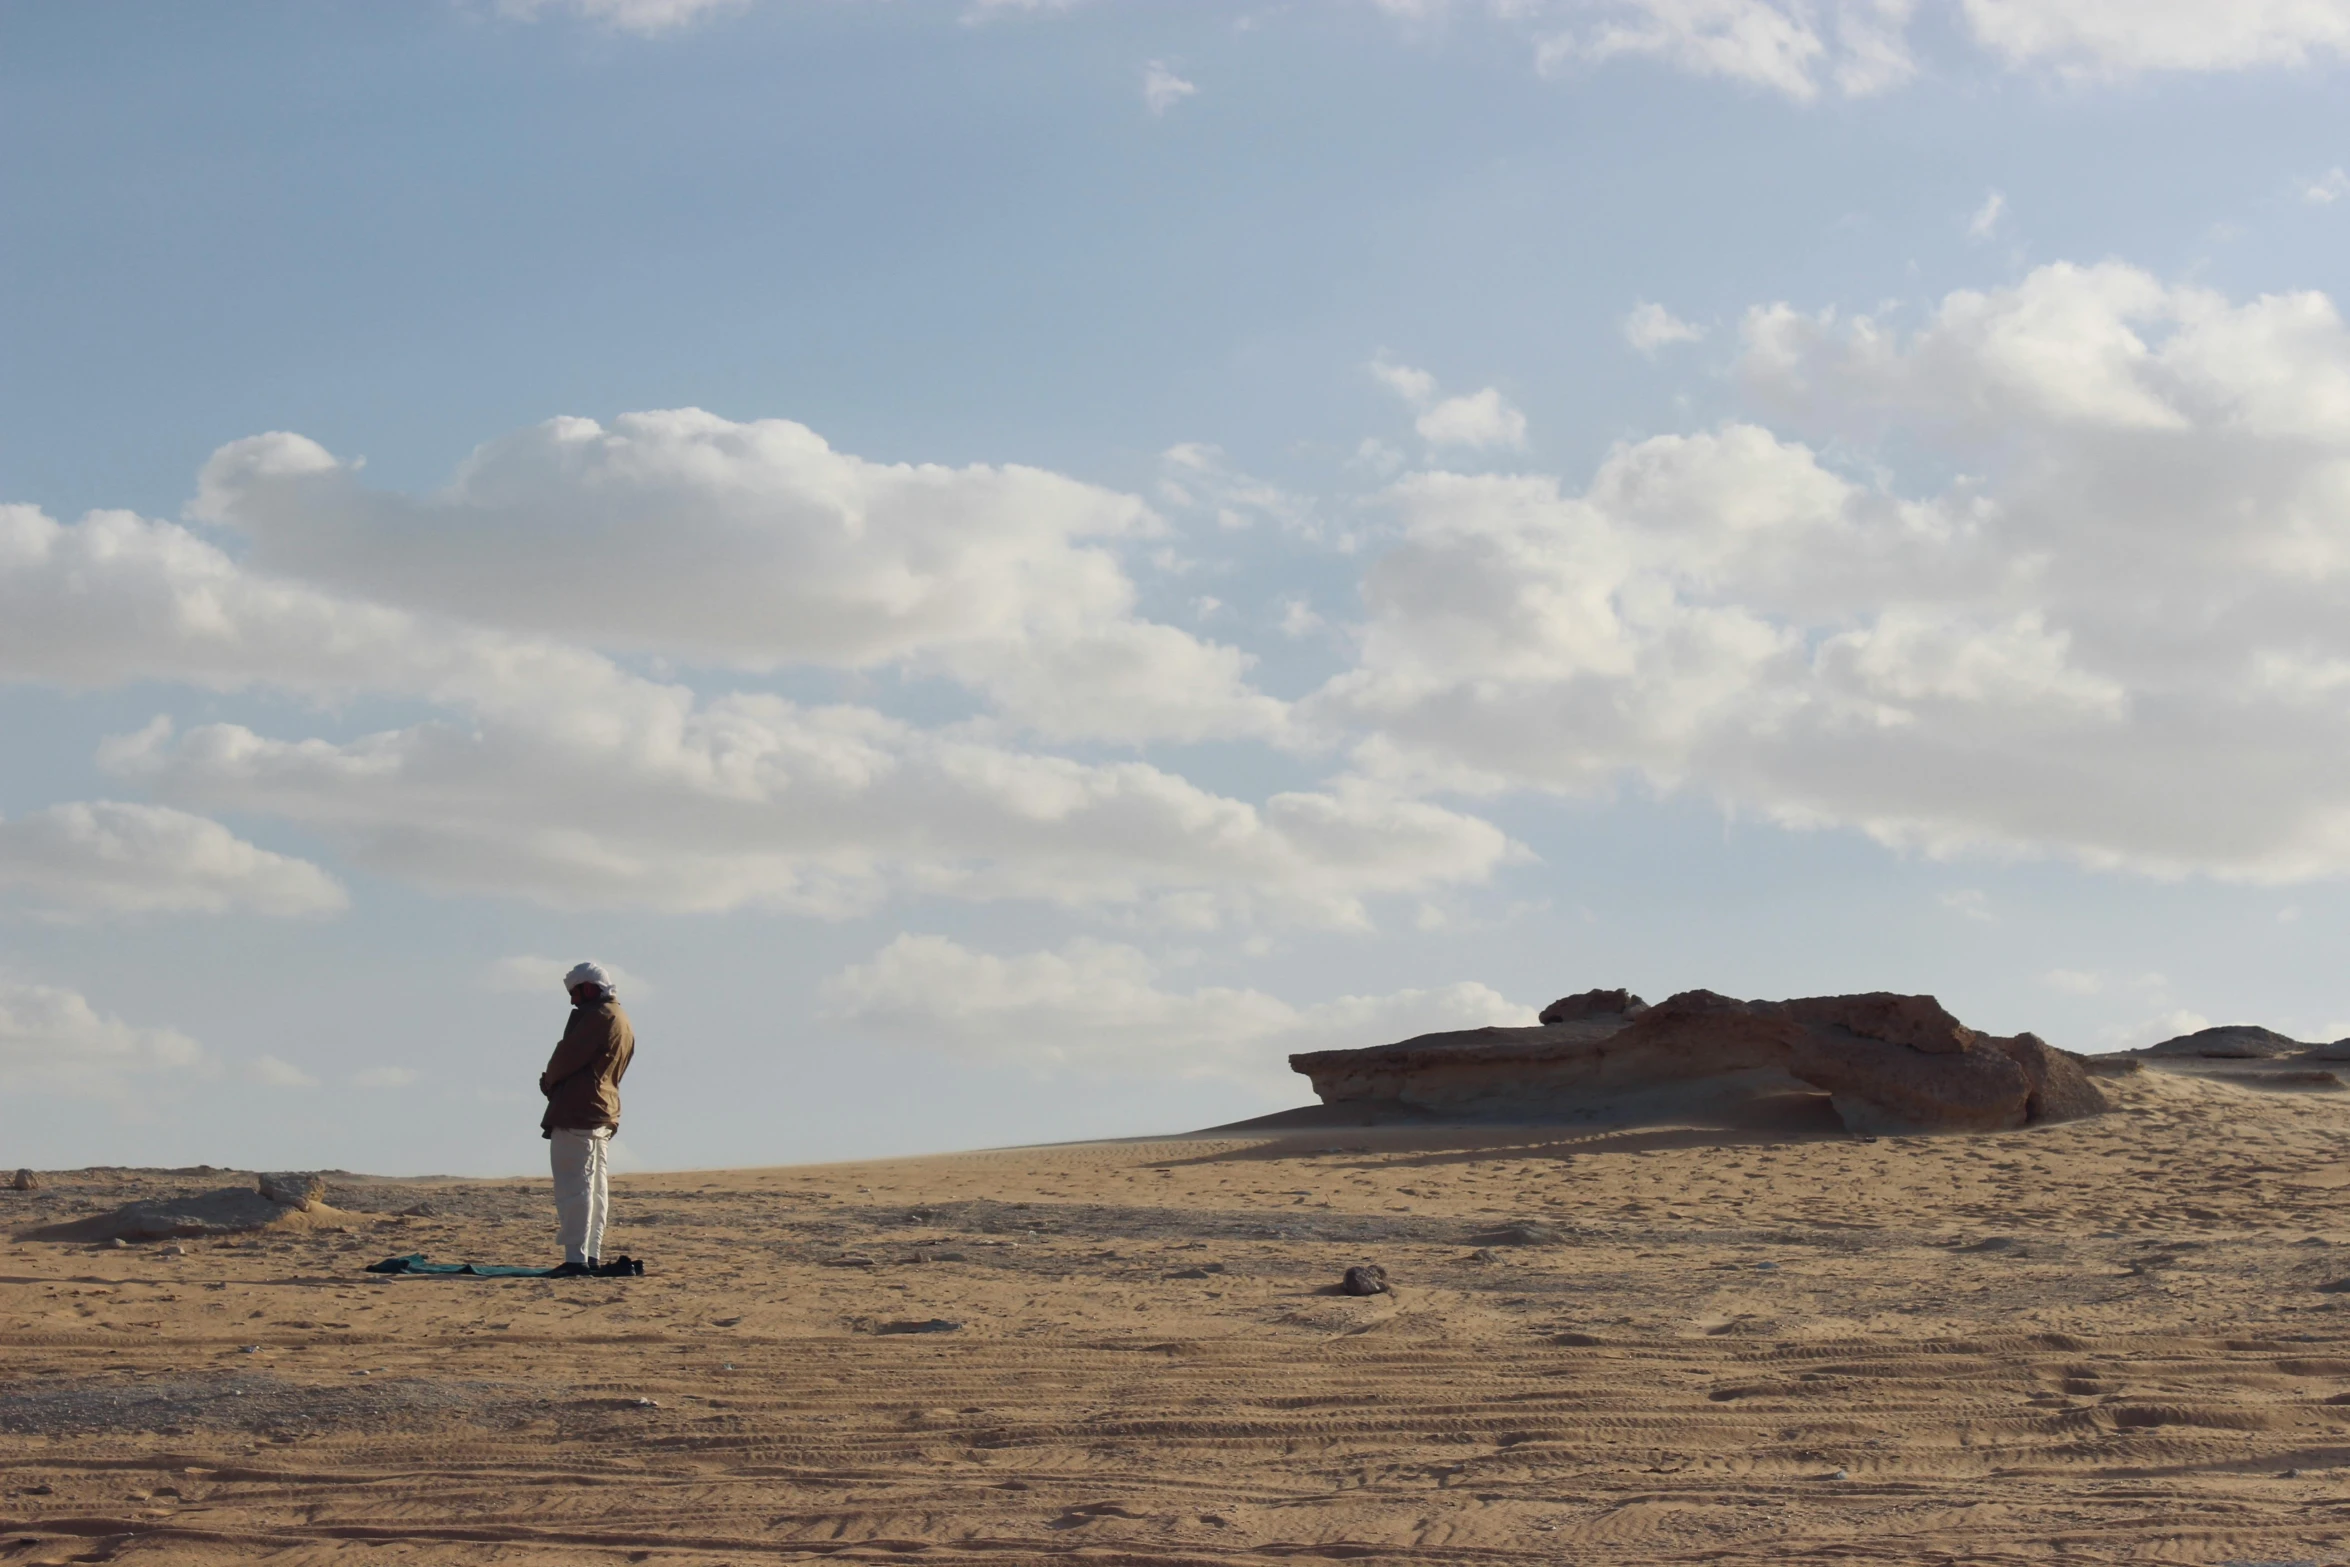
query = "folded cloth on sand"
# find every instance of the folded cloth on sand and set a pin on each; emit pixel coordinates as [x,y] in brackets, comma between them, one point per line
[417,1262]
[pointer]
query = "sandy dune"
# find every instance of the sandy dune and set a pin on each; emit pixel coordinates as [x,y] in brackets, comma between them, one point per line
[2110,1340]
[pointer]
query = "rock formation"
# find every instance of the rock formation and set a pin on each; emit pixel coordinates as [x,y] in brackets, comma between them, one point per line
[2231,1042]
[274,1202]
[294,1188]
[1887,1063]
[1593,1003]
[2248,1053]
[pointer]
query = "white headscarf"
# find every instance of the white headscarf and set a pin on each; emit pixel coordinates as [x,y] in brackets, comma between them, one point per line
[587,974]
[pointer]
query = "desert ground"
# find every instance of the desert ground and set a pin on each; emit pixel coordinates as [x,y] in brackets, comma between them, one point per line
[2119,1339]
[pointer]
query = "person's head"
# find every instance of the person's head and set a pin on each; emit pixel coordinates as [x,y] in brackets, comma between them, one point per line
[588,983]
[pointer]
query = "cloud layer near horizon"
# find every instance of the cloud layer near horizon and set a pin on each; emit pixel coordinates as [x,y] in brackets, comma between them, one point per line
[2071,651]
[111,857]
[1100,1006]
[52,1040]
[2122,641]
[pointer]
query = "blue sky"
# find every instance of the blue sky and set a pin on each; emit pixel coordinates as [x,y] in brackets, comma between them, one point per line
[1012,564]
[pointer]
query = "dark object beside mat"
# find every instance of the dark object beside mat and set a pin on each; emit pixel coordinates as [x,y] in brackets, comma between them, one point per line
[417,1262]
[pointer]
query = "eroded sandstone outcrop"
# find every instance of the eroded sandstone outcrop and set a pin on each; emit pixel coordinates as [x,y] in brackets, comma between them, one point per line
[1593,1003]
[1888,1063]
[2232,1042]
[277,1201]
[2246,1053]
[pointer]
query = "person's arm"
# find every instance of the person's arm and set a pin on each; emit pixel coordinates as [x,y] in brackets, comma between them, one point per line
[584,1038]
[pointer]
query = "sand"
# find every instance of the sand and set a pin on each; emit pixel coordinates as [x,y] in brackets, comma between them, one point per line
[2105,1341]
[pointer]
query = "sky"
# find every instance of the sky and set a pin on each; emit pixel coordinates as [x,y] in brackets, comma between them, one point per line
[1009,563]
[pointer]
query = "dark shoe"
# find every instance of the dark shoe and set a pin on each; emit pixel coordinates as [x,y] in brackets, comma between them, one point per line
[569,1270]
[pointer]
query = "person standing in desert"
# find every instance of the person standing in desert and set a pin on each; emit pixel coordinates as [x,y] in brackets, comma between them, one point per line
[582,1085]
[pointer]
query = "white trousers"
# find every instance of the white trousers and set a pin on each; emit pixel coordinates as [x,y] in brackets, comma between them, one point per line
[583,1198]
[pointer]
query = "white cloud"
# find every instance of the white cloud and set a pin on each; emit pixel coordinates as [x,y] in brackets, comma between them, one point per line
[1416,387]
[1162,89]
[1805,48]
[109,857]
[1478,420]
[2106,38]
[1970,903]
[1745,40]
[54,1041]
[2327,188]
[2073,350]
[1986,219]
[532,975]
[1786,46]
[384,1077]
[1649,327]
[638,795]
[1376,458]
[2088,982]
[1099,1006]
[628,16]
[1195,476]
[1872,46]
[1797,48]
[2137,586]
[1481,420]
[270,1072]
[547,772]
[2154,1030]
[758,546]
[114,598]
[1299,619]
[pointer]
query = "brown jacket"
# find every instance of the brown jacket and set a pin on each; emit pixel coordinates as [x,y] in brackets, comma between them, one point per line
[582,1079]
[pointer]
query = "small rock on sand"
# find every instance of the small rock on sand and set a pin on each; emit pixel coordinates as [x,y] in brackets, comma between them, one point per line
[26,1181]
[929,1325]
[1366,1279]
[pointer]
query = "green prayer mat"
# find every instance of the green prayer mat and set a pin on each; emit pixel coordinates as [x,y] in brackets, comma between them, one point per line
[417,1262]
